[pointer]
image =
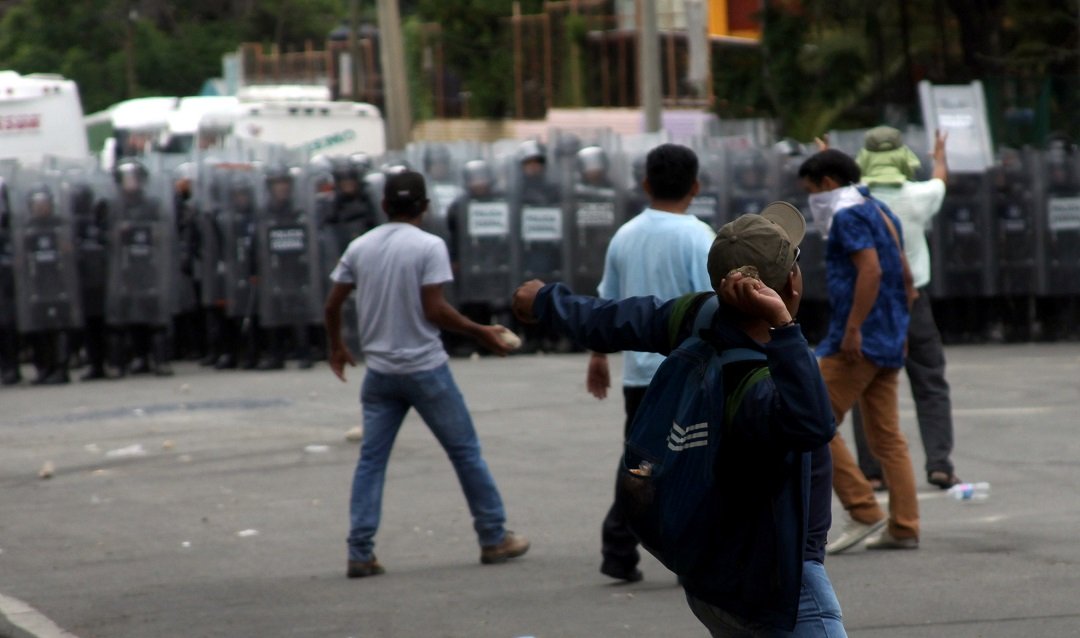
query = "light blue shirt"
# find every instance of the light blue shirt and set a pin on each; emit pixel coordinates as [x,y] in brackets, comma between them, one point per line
[665,255]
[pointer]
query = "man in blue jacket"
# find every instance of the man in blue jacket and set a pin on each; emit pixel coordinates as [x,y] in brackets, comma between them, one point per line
[765,574]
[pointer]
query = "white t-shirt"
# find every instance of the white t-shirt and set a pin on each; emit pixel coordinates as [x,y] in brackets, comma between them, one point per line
[388,265]
[915,203]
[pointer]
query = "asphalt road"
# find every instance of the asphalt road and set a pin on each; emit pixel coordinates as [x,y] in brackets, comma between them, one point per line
[195,506]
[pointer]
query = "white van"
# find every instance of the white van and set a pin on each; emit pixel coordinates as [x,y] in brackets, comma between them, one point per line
[310,127]
[40,115]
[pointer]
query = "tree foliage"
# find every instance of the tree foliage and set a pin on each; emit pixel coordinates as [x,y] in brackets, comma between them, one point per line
[176,45]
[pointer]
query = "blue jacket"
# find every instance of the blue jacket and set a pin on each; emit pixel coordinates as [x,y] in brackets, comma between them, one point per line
[768,525]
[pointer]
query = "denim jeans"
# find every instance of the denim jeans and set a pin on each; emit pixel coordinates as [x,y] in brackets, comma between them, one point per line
[386,398]
[819,613]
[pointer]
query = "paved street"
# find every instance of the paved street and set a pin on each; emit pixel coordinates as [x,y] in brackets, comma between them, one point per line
[214,504]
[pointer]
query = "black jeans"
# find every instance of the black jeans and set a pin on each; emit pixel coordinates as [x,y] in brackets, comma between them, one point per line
[619,543]
[925,366]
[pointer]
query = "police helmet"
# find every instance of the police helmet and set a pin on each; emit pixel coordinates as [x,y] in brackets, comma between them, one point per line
[530,150]
[592,158]
[130,168]
[477,172]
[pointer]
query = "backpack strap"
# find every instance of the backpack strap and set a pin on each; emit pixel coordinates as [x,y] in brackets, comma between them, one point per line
[733,401]
[704,316]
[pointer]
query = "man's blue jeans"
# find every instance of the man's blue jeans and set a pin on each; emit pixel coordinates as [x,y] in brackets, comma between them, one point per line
[819,613]
[386,398]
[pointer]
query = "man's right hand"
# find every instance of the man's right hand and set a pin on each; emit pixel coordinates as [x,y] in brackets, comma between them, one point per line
[338,358]
[598,378]
[523,300]
[489,337]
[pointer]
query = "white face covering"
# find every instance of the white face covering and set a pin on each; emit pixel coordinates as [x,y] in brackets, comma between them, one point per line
[823,206]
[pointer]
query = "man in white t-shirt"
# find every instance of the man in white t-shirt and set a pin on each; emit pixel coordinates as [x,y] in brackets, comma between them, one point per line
[398,272]
[888,167]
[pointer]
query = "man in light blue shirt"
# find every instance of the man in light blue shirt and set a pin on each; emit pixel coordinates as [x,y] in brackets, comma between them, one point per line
[662,252]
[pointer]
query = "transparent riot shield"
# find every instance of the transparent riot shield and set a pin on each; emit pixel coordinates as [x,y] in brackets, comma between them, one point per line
[287,250]
[962,258]
[636,149]
[749,182]
[7,257]
[708,204]
[1014,197]
[594,211]
[537,216]
[210,189]
[442,165]
[814,309]
[81,195]
[237,225]
[1059,221]
[480,224]
[45,260]
[142,245]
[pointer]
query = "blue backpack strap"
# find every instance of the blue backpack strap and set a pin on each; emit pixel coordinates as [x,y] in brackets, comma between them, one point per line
[704,316]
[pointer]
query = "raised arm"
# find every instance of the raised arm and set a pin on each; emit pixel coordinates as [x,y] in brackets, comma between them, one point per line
[601,325]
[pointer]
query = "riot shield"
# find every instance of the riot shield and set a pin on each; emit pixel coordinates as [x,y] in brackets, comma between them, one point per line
[142,244]
[537,218]
[287,250]
[211,187]
[1017,240]
[1059,222]
[814,309]
[7,258]
[749,182]
[236,226]
[708,204]
[45,261]
[480,223]
[88,212]
[962,258]
[594,212]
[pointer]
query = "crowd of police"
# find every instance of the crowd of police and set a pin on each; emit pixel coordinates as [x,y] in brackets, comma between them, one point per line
[227,261]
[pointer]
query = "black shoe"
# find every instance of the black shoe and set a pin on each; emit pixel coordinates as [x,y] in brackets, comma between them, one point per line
[10,377]
[139,366]
[225,362]
[208,360]
[306,363]
[93,374]
[56,377]
[163,370]
[628,573]
[271,364]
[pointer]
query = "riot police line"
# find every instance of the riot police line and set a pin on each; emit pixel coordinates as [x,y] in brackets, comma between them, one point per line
[226,259]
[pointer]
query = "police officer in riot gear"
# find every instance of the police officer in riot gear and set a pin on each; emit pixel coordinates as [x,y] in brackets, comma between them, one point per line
[351,214]
[190,337]
[9,334]
[140,301]
[285,273]
[594,216]
[540,236]
[478,224]
[90,217]
[236,226]
[49,303]
[636,199]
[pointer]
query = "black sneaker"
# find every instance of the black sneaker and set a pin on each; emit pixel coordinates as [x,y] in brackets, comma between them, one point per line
[364,568]
[619,571]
